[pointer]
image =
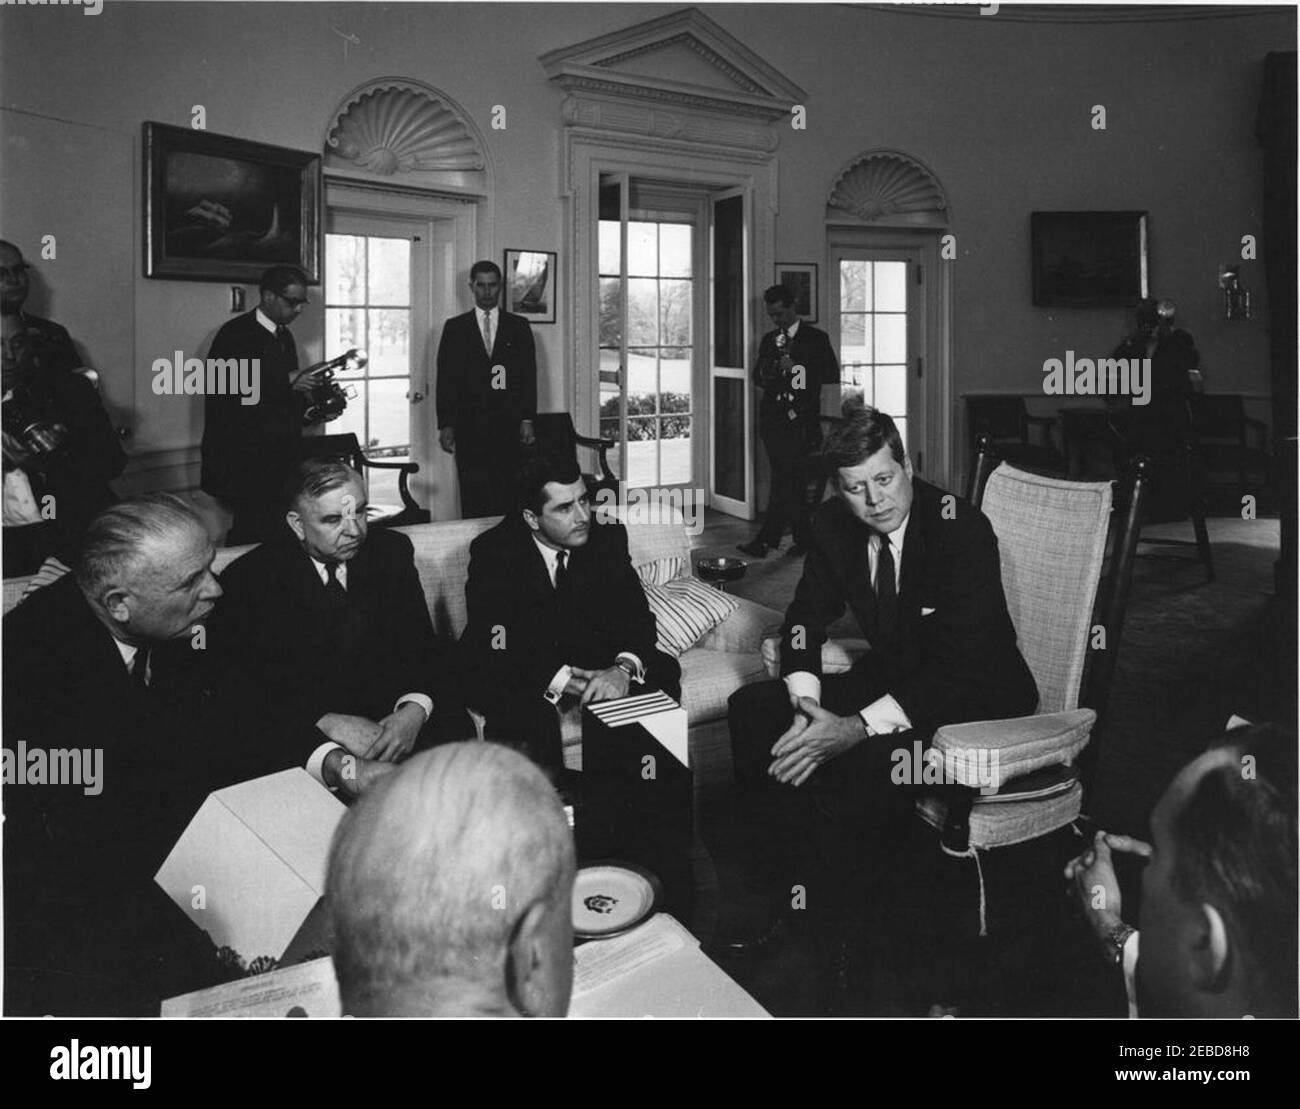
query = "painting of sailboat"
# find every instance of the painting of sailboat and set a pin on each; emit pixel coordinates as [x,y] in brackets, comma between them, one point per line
[530,284]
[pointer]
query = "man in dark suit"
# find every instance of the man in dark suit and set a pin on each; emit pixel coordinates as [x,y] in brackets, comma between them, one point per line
[114,737]
[794,361]
[919,569]
[328,627]
[555,611]
[487,395]
[248,449]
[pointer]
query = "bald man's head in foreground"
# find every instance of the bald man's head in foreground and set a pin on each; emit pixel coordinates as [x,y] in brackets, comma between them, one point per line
[449,887]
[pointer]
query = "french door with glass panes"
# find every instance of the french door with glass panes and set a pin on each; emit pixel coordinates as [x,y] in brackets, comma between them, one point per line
[879,306]
[649,261]
[376,296]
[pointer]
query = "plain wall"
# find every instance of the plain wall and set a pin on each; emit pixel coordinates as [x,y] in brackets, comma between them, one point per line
[998,108]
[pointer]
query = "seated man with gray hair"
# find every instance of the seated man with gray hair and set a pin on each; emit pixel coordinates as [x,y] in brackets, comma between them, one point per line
[450,887]
[114,734]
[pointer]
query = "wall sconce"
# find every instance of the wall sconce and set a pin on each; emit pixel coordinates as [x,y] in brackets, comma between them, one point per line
[1236,300]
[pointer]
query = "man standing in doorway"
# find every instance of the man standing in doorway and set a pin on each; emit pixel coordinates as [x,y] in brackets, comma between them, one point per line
[487,395]
[794,361]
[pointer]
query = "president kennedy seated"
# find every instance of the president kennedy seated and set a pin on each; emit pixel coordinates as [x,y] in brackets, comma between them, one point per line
[328,626]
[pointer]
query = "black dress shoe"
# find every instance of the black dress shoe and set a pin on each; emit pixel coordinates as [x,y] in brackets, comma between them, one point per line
[756,548]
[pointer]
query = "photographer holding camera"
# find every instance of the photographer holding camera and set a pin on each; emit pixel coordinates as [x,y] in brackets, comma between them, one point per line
[60,450]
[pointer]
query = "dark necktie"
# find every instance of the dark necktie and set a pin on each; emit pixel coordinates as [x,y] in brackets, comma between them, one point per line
[561,571]
[886,596]
[334,591]
[140,667]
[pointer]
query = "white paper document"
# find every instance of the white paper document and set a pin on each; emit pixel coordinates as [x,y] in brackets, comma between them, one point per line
[251,864]
[656,970]
[305,990]
[658,713]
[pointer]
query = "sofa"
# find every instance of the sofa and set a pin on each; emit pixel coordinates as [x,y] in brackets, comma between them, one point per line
[722,661]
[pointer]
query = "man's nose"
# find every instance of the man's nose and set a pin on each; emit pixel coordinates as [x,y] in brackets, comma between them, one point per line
[353,526]
[212,588]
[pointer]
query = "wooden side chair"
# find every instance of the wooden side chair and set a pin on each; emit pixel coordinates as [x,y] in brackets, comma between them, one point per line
[555,431]
[347,448]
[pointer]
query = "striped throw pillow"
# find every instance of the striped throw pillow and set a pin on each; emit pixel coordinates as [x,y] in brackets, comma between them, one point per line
[662,570]
[686,609]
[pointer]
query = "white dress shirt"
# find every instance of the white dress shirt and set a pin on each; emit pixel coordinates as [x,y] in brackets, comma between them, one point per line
[884,714]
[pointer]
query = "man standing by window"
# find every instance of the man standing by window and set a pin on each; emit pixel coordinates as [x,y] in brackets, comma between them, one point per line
[794,361]
[487,395]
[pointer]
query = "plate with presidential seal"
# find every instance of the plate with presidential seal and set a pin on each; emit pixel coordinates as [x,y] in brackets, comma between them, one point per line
[610,898]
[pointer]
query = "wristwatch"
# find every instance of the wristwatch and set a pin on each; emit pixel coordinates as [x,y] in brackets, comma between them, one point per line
[626,666]
[1113,941]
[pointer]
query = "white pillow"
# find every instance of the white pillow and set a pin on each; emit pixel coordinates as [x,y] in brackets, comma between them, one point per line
[662,570]
[685,610]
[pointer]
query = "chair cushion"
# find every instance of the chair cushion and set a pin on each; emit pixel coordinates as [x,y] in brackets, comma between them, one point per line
[838,655]
[997,751]
[1005,824]
[684,610]
[744,630]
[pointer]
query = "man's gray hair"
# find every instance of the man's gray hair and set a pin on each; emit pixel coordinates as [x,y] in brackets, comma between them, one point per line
[432,870]
[113,543]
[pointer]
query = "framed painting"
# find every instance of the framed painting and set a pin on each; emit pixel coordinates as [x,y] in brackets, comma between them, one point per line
[1089,259]
[530,284]
[801,279]
[217,208]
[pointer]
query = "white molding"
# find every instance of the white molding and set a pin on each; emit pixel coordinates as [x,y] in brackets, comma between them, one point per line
[429,121]
[761,86]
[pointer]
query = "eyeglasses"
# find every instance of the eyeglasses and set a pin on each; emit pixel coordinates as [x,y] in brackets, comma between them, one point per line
[14,271]
[293,302]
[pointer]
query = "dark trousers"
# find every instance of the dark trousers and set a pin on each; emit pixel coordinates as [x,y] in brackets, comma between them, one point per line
[836,838]
[789,447]
[487,487]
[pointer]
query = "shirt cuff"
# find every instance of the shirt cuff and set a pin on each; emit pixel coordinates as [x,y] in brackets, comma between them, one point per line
[420,699]
[1130,960]
[316,764]
[885,715]
[555,690]
[804,683]
[638,669]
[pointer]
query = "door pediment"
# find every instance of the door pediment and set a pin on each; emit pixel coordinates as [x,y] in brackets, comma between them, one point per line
[684,59]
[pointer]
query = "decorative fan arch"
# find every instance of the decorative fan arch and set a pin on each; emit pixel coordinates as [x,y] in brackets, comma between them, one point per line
[887,187]
[396,126]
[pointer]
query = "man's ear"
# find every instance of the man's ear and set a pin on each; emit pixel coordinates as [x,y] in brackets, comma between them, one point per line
[530,518]
[1211,952]
[907,464]
[294,520]
[115,604]
[526,962]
